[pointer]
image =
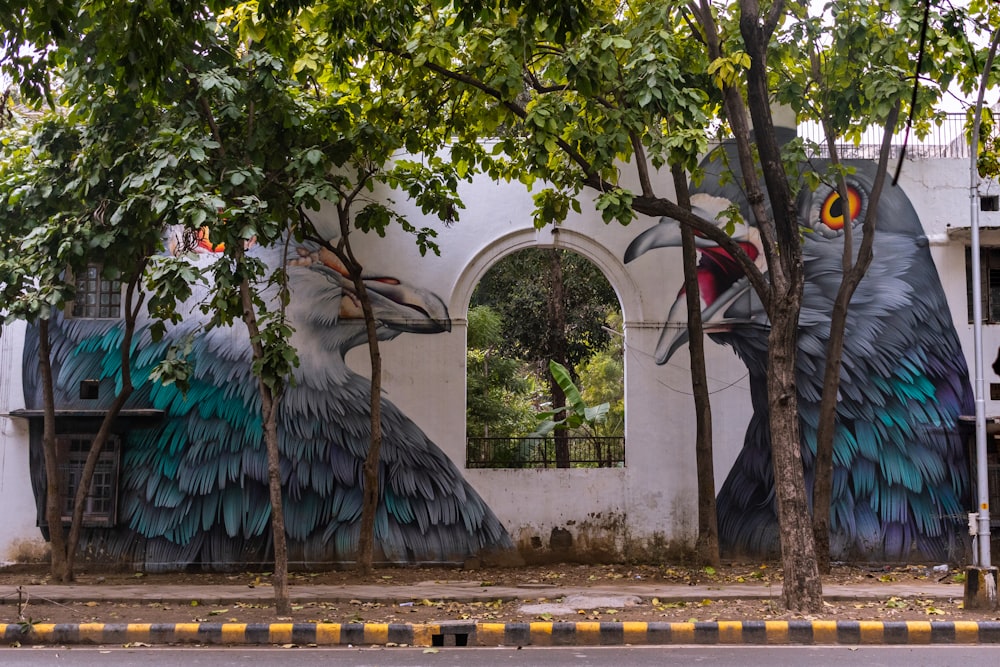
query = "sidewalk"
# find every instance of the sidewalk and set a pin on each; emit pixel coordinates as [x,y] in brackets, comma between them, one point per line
[466,591]
[462,633]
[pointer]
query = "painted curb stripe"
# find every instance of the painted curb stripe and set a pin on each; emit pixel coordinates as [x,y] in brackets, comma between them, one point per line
[559,633]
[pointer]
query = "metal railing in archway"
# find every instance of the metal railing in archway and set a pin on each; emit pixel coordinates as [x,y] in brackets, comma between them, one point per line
[534,452]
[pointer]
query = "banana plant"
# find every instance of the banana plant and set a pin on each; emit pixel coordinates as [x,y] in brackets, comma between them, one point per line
[576,412]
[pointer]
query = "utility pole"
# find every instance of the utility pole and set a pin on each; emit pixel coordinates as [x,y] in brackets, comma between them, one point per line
[981,578]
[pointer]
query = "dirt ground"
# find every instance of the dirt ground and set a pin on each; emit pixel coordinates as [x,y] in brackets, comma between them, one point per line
[32,608]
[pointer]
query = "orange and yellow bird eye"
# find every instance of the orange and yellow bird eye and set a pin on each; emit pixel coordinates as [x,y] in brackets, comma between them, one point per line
[832,213]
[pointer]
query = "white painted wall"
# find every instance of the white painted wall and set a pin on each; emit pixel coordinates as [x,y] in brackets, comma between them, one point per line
[652,502]
[649,505]
[19,538]
[939,190]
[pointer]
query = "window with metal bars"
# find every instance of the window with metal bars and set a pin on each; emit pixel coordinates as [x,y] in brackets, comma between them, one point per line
[96,296]
[100,505]
[989,265]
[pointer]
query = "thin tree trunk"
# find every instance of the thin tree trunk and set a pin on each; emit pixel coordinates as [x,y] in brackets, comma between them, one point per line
[707,544]
[53,487]
[370,468]
[557,348]
[270,400]
[279,580]
[369,507]
[131,311]
[560,436]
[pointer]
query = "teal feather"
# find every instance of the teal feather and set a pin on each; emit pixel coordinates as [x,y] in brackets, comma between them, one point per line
[232,510]
[845,447]
[399,507]
[381,527]
[301,516]
[182,532]
[210,511]
[868,440]
[863,476]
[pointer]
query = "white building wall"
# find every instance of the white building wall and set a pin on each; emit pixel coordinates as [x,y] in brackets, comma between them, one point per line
[939,190]
[19,537]
[649,507]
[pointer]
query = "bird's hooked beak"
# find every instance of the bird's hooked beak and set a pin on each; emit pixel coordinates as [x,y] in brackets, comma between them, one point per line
[726,296]
[396,305]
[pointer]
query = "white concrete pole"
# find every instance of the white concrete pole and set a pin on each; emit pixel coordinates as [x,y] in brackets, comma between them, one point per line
[982,478]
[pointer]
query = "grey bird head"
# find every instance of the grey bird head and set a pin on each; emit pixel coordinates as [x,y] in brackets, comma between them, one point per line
[726,296]
[727,300]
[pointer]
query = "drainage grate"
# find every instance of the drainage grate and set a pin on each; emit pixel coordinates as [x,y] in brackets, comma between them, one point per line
[453,633]
[455,639]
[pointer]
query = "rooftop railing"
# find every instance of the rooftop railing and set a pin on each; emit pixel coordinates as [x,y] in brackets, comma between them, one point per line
[946,139]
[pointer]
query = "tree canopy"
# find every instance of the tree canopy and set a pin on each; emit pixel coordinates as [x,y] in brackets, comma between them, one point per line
[242,117]
[516,290]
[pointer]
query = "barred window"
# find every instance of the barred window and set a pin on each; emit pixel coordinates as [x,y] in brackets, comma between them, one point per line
[101,503]
[989,265]
[97,296]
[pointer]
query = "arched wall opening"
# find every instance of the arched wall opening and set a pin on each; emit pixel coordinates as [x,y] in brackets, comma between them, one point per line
[544,334]
[557,513]
[646,509]
[550,237]
[610,266]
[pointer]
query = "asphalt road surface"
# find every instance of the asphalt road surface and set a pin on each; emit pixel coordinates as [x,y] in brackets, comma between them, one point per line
[646,656]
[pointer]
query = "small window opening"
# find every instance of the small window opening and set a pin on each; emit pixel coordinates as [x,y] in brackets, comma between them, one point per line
[97,296]
[989,203]
[89,390]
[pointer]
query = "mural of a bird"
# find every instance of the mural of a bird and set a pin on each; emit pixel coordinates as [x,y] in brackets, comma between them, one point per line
[901,476]
[194,487]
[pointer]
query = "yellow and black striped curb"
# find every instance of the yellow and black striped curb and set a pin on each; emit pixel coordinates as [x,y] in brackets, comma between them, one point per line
[463,633]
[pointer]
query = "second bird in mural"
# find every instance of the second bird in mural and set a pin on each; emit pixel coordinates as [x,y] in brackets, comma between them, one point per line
[901,478]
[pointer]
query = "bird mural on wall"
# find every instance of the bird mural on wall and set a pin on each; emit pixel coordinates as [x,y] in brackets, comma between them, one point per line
[900,477]
[194,487]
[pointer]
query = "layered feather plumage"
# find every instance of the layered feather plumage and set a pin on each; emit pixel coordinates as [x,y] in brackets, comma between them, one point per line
[901,475]
[194,487]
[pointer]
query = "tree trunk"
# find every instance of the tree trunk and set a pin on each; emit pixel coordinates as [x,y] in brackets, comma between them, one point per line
[557,348]
[823,465]
[560,436]
[131,311]
[802,588]
[269,408]
[369,506]
[370,492]
[707,544]
[53,488]
[270,400]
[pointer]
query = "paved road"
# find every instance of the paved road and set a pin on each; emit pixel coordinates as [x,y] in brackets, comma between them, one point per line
[651,656]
